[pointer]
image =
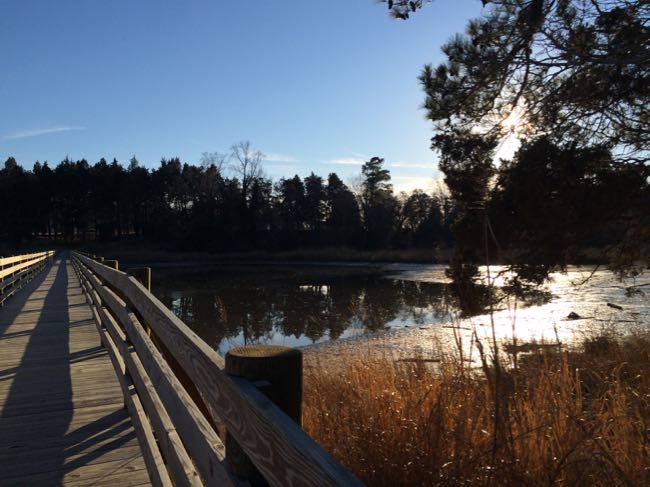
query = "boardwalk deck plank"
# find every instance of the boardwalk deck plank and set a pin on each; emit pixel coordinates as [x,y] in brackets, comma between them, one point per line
[62,419]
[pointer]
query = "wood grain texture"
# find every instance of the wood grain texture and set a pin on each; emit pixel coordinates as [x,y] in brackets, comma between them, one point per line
[5,261]
[62,420]
[202,442]
[15,278]
[178,461]
[172,448]
[152,457]
[279,448]
[23,262]
[111,336]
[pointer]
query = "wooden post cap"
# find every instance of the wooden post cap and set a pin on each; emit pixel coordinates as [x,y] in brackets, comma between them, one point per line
[277,371]
[276,364]
[263,351]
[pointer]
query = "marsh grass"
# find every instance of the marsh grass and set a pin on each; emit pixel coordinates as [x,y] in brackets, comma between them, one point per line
[560,417]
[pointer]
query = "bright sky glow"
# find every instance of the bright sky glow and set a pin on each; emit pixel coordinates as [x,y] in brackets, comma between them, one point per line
[316,85]
[514,125]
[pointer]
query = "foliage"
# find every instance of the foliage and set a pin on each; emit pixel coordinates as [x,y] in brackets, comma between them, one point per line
[342,213]
[567,78]
[379,205]
[562,200]
[224,204]
[577,69]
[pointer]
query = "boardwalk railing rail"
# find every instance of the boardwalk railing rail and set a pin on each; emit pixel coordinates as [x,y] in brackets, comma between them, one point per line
[18,270]
[178,394]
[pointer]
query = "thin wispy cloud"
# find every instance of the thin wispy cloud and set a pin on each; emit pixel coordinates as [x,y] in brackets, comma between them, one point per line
[279,157]
[359,160]
[413,165]
[348,161]
[23,134]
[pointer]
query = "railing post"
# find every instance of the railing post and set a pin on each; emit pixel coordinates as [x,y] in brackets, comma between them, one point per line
[142,274]
[113,264]
[277,371]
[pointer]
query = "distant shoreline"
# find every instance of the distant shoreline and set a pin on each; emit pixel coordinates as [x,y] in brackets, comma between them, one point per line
[144,254]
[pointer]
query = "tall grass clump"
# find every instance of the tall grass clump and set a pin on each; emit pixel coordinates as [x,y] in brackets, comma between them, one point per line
[578,418]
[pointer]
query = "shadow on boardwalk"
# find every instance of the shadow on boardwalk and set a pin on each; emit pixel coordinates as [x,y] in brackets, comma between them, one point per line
[41,381]
[62,420]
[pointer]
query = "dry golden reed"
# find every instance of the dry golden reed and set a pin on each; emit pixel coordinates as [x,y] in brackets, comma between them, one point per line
[570,418]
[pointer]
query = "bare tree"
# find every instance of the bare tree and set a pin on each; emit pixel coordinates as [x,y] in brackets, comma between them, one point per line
[246,164]
[216,159]
[355,184]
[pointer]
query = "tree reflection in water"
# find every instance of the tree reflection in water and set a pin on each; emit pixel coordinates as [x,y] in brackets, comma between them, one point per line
[231,306]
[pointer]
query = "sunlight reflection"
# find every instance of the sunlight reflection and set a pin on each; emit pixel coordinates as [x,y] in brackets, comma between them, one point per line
[597,300]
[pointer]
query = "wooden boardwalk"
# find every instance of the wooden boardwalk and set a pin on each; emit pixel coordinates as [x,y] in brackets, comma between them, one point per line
[62,416]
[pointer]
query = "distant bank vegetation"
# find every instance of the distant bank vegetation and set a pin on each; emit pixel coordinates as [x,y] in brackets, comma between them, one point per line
[224,204]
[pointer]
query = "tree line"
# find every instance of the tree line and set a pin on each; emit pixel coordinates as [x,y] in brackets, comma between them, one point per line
[226,203]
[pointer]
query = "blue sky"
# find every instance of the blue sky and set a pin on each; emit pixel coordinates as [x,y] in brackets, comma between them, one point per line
[316,85]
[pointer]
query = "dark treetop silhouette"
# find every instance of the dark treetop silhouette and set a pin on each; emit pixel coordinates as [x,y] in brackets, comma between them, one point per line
[213,208]
[570,79]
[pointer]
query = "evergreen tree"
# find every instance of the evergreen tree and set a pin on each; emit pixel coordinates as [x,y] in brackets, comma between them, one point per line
[566,77]
[291,209]
[379,204]
[342,215]
[314,207]
[193,207]
[260,211]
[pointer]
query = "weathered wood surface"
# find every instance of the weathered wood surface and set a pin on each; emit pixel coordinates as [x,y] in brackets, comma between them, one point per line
[172,412]
[6,261]
[10,265]
[277,371]
[17,271]
[278,447]
[62,416]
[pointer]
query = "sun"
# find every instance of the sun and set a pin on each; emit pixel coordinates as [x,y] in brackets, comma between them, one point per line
[513,126]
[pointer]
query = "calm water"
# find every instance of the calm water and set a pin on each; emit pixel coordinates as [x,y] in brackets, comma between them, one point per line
[300,305]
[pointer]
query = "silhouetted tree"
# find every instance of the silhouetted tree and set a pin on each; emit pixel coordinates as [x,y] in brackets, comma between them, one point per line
[314,208]
[218,160]
[569,78]
[467,161]
[137,192]
[15,222]
[260,212]
[194,207]
[42,199]
[422,220]
[594,202]
[247,166]
[378,203]
[342,215]
[291,208]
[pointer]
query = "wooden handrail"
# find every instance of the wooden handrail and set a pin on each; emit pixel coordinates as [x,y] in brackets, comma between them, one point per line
[142,333]
[18,270]
[4,261]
